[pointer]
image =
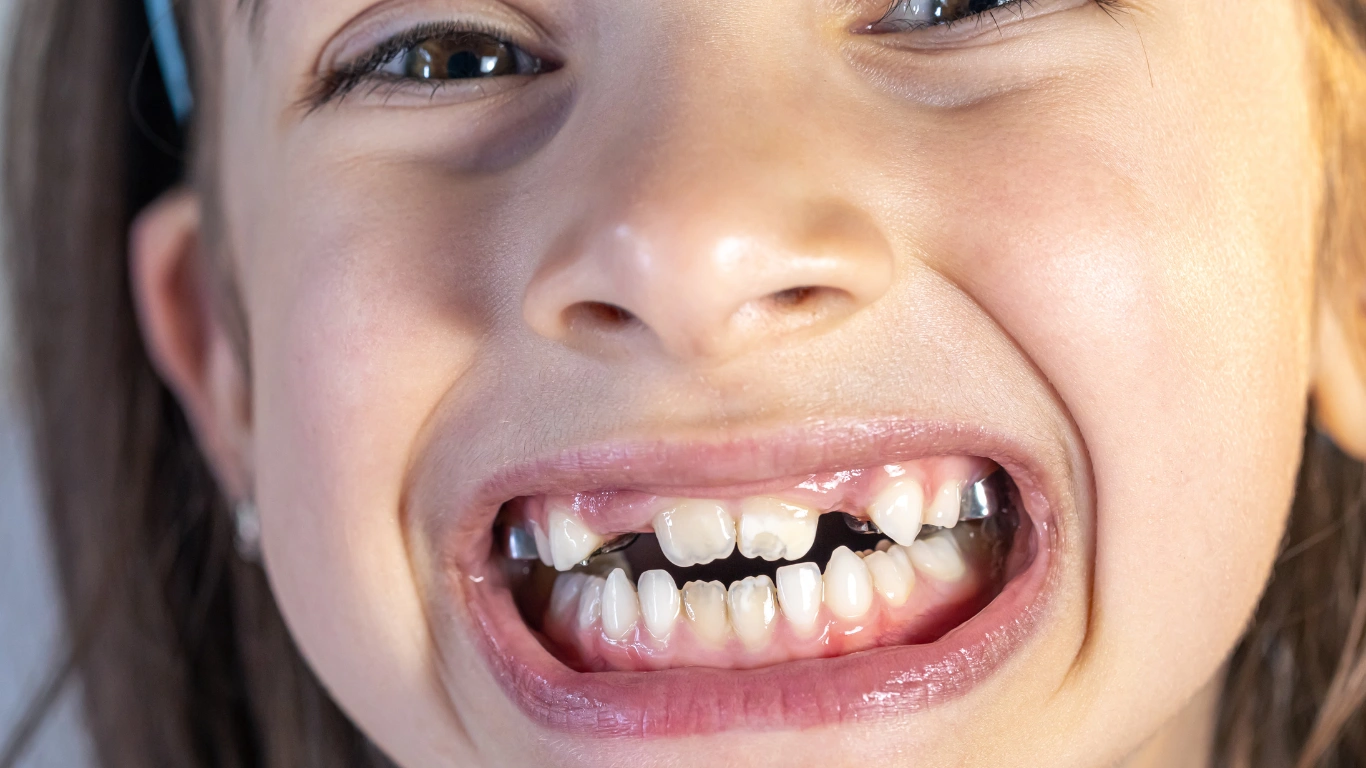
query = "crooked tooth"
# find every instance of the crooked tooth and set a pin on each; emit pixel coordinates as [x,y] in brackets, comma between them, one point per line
[898,509]
[889,578]
[799,593]
[775,530]
[704,604]
[659,602]
[570,540]
[590,600]
[848,585]
[564,597]
[695,532]
[939,557]
[946,505]
[620,608]
[542,544]
[753,606]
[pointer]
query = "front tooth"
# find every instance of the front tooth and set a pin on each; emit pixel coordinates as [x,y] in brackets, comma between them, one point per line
[542,543]
[753,606]
[564,596]
[775,530]
[694,532]
[704,603]
[848,585]
[620,608]
[590,600]
[659,602]
[570,540]
[799,594]
[889,579]
[939,557]
[898,509]
[944,509]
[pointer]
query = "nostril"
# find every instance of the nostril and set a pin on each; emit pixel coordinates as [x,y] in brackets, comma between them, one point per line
[599,316]
[807,297]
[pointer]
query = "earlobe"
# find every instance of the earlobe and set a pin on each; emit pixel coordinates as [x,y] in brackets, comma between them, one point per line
[186,337]
[1339,388]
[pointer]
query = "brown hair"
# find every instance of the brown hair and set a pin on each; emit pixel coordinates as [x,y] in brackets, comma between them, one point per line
[183,657]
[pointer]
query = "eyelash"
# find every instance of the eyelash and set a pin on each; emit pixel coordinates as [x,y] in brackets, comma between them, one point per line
[980,17]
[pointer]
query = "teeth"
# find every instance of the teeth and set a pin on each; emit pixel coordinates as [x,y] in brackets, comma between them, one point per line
[848,585]
[542,544]
[704,603]
[939,557]
[590,600]
[570,540]
[943,510]
[775,530]
[620,609]
[753,607]
[799,593]
[897,511]
[564,597]
[694,532]
[659,602]
[892,577]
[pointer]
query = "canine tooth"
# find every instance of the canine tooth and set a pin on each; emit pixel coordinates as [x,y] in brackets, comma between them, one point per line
[799,593]
[590,600]
[753,606]
[943,510]
[939,557]
[898,509]
[542,544]
[704,603]
[774,529]
[620,608]
[659,602]
[564,597]
[848,585]
[888,578]
[570,540]
[695,532]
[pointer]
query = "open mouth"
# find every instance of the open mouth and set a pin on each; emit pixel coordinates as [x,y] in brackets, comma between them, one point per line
[798,578]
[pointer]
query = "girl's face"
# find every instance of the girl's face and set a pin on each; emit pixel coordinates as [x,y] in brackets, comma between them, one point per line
[712,269]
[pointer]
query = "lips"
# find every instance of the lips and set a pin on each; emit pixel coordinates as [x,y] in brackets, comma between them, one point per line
[956,650]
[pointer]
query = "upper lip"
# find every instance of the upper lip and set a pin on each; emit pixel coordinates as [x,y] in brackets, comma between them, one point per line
[733,466]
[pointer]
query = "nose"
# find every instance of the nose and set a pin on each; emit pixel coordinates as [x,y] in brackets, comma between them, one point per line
[707,266]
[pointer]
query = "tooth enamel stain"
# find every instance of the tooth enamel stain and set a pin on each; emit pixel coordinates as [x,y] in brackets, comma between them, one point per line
[590,600]
[753,607]
[620,608]
[704,605]
[659,603]
[570,540]
[564,597]
[888,579]
[944,509]
[848,585]
[938,557]
[800,591]
[774,529]
[897,510]
[695,532]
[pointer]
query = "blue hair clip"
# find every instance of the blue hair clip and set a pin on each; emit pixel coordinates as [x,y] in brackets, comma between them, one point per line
[175,72]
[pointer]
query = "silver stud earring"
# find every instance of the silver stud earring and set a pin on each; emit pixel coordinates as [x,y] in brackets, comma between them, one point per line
[247,530]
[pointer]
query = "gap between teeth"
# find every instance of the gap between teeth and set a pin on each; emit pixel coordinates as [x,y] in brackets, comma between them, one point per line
[750,609]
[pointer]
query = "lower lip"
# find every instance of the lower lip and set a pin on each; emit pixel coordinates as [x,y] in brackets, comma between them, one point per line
[884,682]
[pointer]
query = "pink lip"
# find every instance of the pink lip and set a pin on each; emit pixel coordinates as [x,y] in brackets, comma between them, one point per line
[691,701]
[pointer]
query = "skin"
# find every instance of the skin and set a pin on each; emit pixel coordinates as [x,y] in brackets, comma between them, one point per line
[1098,230]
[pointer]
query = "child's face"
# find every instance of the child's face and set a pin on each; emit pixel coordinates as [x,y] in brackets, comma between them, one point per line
[1074,240]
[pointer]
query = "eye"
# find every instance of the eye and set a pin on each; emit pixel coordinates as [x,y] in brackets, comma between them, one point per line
[459,56]
[914,14]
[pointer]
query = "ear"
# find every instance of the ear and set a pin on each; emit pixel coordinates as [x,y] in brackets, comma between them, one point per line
[187,336]
[1339,389]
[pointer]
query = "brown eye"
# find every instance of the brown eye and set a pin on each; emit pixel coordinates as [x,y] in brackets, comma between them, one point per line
[460,56]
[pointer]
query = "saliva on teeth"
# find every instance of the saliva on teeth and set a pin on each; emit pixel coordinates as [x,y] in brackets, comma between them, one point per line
[614,619]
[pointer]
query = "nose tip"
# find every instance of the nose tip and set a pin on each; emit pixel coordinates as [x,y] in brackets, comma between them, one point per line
[638,287]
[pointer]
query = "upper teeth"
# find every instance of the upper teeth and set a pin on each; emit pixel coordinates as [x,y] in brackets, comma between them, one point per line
[695,532]
[776,530]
